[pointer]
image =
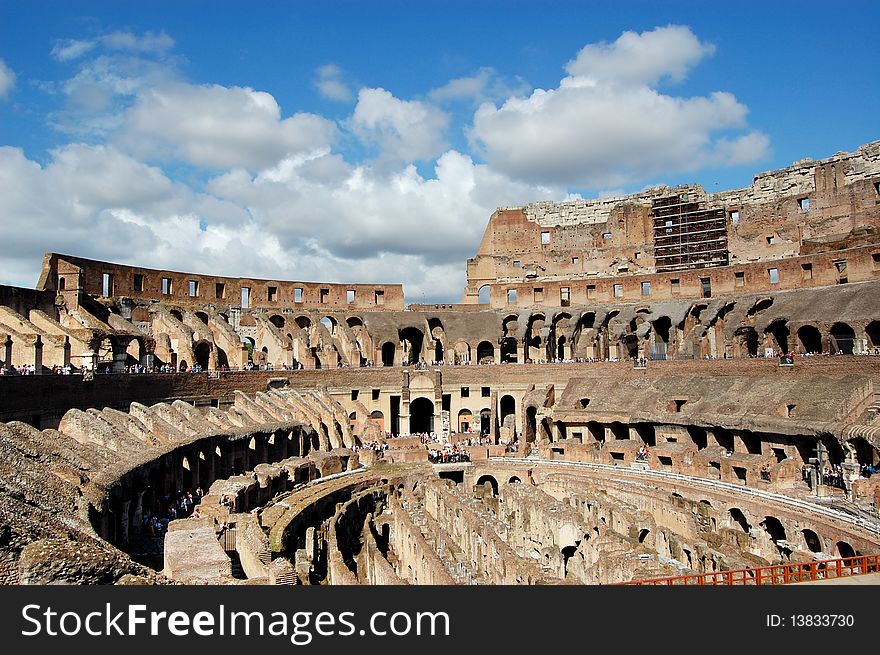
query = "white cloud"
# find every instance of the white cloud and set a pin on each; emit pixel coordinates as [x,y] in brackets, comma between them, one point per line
[7,80]
[606,126]
[330,83]
[641,58]
[70,49]
[219,127]
[311,217]
[745,149]
[95,98]
[484,85]
[403,130]
[148,43]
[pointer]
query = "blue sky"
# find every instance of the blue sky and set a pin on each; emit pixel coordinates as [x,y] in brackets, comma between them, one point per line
[370,141]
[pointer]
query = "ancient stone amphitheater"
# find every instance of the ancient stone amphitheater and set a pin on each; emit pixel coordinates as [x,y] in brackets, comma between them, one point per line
[660,385]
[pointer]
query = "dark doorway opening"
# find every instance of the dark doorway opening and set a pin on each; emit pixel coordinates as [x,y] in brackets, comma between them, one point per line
[421,416]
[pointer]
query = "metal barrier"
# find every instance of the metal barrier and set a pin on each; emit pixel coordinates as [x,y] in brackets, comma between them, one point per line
[773,575]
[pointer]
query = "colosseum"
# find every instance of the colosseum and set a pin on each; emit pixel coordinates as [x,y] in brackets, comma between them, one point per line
[671,386]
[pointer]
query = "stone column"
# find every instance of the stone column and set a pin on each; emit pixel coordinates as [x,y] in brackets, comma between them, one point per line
[7,357]
[38,356]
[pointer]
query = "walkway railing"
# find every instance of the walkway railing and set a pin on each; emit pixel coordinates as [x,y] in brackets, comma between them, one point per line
[774,575]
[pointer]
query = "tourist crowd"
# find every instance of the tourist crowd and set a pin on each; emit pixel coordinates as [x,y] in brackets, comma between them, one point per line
[169,508]
[449,454]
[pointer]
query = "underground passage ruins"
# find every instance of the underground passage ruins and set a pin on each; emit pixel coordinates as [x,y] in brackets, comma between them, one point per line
[660,385]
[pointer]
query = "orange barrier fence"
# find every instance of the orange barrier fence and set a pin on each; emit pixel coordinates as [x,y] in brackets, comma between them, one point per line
[776,574]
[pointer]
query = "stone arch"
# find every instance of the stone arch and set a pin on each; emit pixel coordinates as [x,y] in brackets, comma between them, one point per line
[492,482]
[435,327]
[812,541]
[176,313]
[250,344]
[388,350]
[421,416]
[810,339]
[844,549]
[535,342]
[203,317]
[485,352]
[277,320]
[558,339]
[303,322]
[842,339]
[202,354]
[462,352]
[485,420]
[413,340]
[483,295]
[465,420]
[507,407]
[379,418]
[510,325]
[330,323]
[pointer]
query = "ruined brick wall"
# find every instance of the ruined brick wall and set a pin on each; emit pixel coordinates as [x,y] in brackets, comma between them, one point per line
[417,561]
[795,272]
[481,537]
[88,277]
[804,209]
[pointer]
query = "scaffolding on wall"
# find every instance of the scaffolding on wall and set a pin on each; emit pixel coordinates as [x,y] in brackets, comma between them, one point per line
[687,234]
